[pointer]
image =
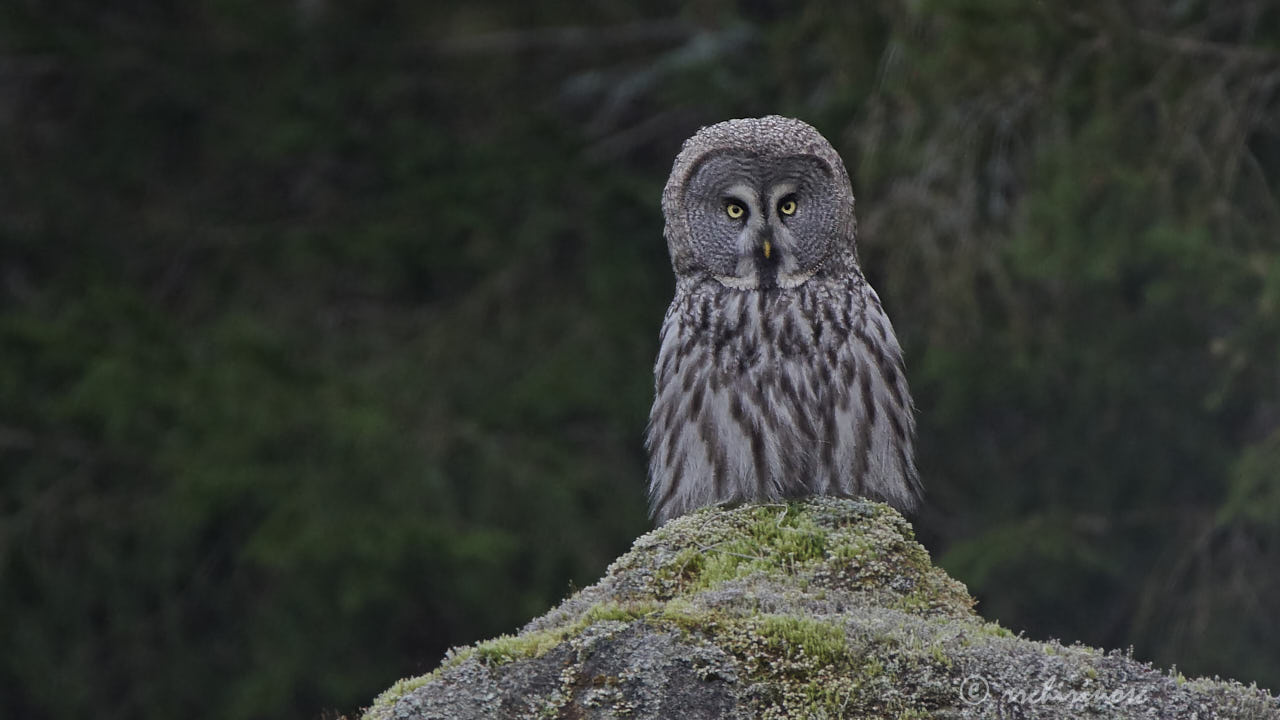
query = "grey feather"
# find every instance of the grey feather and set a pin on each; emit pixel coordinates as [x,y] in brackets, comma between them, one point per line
[778,372]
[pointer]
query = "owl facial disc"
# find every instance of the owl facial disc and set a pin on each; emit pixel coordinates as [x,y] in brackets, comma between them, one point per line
[759,221]
[766,252]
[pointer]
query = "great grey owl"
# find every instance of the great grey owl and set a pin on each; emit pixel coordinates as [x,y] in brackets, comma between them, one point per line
[778,373]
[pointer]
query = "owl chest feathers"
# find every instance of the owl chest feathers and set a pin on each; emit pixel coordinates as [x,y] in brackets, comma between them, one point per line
[769,394]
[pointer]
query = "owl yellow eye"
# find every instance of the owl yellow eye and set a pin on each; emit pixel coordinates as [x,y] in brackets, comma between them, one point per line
[734,210]
[787,207]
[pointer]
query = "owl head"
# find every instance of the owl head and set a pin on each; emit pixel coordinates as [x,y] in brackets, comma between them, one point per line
[759,203]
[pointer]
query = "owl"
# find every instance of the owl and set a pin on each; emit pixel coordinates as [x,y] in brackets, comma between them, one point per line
[778,374]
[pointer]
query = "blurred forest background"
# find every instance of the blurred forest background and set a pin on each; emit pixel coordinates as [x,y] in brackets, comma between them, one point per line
[327,329]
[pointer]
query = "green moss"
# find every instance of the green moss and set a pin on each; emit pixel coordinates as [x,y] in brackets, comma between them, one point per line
[807,668]
[852,550]
[505,648]
[683,614]
[388,698]
[994,630]
[613,611]
[679,574]
[821,641]
[770,539]
[939,655]
[773,538]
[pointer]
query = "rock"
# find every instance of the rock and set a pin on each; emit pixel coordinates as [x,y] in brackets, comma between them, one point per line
[826,608]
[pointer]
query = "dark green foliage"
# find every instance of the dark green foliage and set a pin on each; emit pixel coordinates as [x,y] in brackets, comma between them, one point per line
[326,329]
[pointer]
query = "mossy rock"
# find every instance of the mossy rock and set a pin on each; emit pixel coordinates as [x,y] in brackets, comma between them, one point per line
[825,608]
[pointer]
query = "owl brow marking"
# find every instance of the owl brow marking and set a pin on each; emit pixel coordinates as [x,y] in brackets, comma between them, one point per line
[780,192]
[740,192]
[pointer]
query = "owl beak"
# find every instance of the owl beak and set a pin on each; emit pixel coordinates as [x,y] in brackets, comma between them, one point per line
[768,248]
